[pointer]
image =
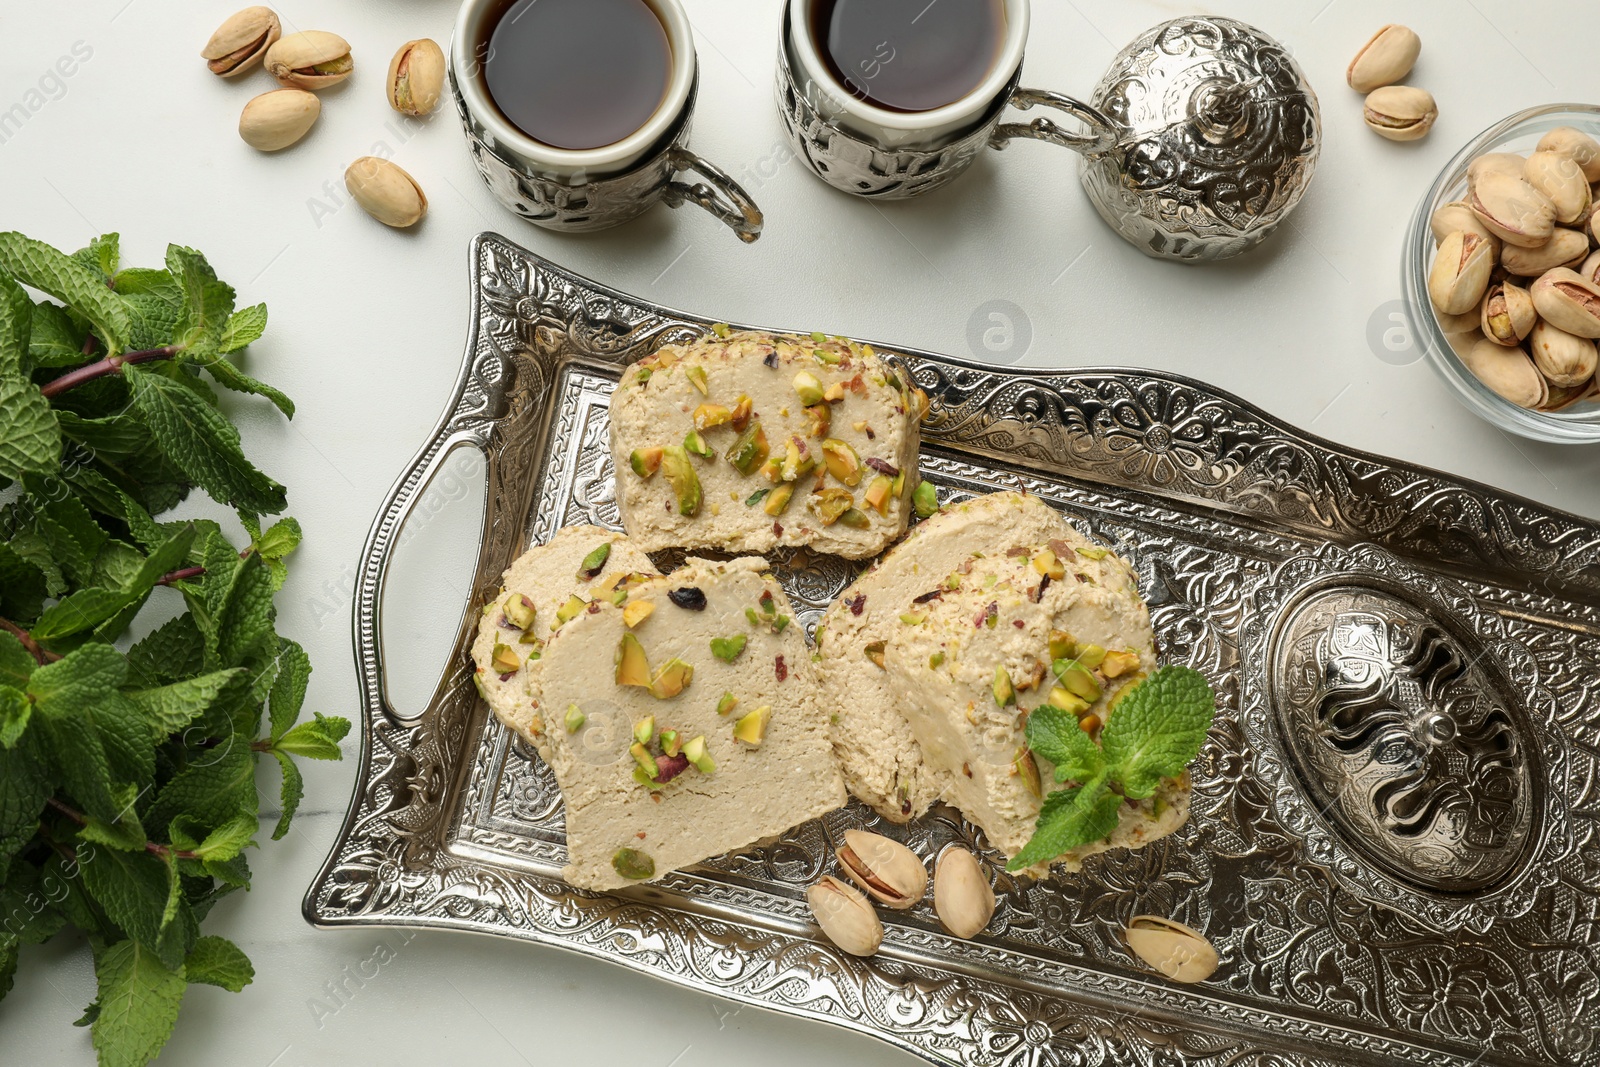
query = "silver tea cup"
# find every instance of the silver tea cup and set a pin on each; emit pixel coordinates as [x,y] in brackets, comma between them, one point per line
[595,189]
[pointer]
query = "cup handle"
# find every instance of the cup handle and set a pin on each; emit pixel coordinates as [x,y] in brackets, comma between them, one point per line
[1101,133]
[718,194]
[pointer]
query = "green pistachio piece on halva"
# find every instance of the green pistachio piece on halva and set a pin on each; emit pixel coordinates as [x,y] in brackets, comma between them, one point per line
[633,864]
[519,611]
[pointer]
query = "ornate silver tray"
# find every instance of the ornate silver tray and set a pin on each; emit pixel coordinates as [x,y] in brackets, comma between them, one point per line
[1394,836]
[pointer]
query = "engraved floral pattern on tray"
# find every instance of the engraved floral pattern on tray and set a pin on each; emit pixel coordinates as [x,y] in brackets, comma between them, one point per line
[452,825]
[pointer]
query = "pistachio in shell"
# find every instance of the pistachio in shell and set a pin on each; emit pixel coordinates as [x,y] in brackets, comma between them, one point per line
[846,917]
[890,872]
[1460,272]
[314,59]
[273,121]
[1561,181]
[1568,301]
[1590,270]
[1508,163]
[1385,59]
[1172,948]
[386,192]
[1576,146]
[1513,210]
[1507,315]
[1563,358]
[1453,217]
[1508,372]
[1566,248]
[416,77]
[1401,112]
[962,896]
[240,42]
[1466,322]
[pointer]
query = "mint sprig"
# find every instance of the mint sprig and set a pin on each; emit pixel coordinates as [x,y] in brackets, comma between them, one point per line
[128,791]
[1157,729]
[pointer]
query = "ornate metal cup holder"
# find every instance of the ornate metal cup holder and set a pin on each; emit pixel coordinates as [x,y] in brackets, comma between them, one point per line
[1432,641]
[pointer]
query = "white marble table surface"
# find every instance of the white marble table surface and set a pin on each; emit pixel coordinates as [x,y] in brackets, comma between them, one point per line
[367,330]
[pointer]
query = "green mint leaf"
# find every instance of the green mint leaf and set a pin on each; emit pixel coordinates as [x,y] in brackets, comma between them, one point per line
[170,708]
[138,998]
[9,946]
[294,788]
[203,444]
[219,962]
[79,715]
[244,327]
[1069,818]
[154,320]
[207,302]
[47,270]
[288,688]
[133,888]
[149,281]
[229,839]
[22,586]
[29,914]
[30,437]
[1157,729]
[15,710]
[1056,735]
[281,539]
[54,339]
[104,254]
[16,327]
[318,739]
[80,611]
[16,663]
[230,376]
[30,546]
[25,785]
[219,784]
[127,833]
[101,494]
[240,593]
[70,532]
[174,651]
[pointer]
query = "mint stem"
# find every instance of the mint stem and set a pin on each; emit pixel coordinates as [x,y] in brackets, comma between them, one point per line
[151,847]
[43,655]
[110,365]
[180,575]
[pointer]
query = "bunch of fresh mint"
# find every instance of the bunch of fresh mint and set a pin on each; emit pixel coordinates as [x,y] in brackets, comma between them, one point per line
[128,749]
[1157,729]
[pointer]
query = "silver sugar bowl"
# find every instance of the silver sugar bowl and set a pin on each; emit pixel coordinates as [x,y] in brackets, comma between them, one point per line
[1210,135]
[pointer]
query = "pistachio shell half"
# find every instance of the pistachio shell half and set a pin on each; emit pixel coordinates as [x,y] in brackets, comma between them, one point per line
[1568,302]
[386,192]
[1566,248]
[314,59]
[890,872]
[1172,948]
[1401,112]
[1507,315]
[1513,210]
[1576,146]
[276,120]
[1460,272]
[241,41]
[846,917]
[1561,357]
[1466,322]
[962,896]
[1509,372]
[1562,182]
[1456,216]
[1385,59]
[416,77]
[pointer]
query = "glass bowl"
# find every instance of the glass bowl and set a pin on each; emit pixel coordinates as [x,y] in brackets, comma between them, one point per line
[1520,132]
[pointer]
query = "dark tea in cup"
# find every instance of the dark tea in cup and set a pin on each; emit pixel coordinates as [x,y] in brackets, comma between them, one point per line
[909,55]
[578,74]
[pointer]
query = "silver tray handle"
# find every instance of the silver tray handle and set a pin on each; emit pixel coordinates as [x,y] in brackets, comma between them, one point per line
[718,194]
[1101,135]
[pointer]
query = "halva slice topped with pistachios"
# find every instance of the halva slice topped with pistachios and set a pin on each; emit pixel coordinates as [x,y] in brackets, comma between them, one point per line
[546,587]
[745,442]
[682,723]
[878,752]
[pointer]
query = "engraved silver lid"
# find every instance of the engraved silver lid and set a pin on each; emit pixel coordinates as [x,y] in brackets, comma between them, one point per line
[1215,134]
